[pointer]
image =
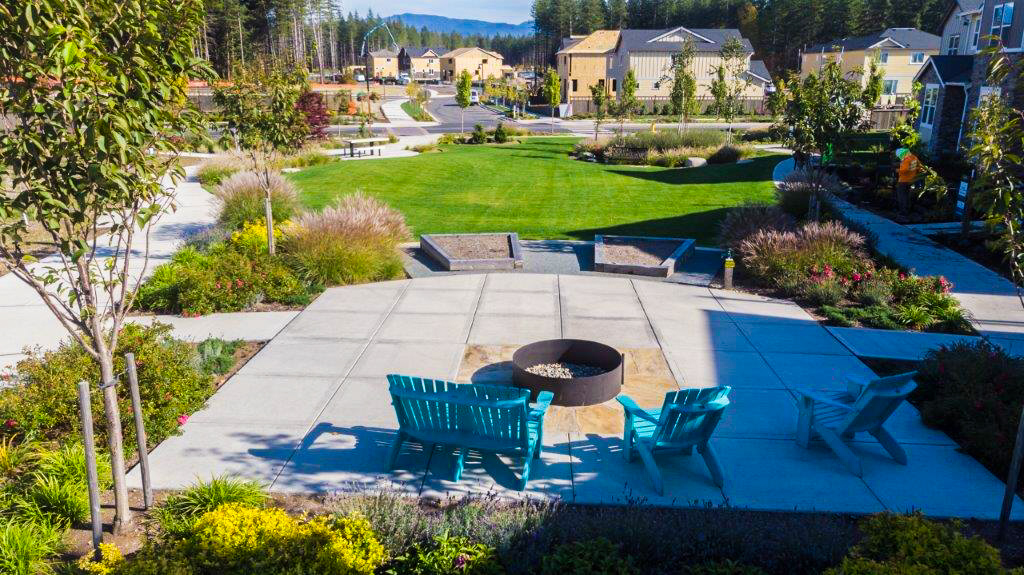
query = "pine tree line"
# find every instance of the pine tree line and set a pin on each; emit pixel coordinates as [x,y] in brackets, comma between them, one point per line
[317,35]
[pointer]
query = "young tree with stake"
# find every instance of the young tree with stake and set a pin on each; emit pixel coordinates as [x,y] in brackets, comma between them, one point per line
[463,88]
[684,84]
[628,101]
[93,99]
[552,92]
[600,99]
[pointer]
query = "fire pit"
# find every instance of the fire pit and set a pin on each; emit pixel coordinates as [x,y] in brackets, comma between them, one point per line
[577,371]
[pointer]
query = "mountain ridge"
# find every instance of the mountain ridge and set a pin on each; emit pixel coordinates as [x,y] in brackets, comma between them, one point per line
[463,26]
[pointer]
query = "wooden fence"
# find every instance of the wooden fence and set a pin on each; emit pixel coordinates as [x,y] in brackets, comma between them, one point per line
[658,104]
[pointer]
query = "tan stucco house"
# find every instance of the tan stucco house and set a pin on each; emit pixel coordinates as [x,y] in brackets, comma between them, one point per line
[383,64]
[421,63]
[604,57]
[901,53]
[480,63]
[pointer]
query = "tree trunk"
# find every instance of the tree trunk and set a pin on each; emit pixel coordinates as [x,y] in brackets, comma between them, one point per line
[122,513]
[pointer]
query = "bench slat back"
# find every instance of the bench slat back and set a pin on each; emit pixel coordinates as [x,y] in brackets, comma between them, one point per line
[689,416]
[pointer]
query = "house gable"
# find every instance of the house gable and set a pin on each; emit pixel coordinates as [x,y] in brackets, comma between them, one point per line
[680,34]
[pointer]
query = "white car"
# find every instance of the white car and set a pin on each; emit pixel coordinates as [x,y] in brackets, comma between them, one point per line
[474,97]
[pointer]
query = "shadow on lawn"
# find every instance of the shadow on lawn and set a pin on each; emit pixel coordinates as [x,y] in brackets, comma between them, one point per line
[760,170]
[702,226]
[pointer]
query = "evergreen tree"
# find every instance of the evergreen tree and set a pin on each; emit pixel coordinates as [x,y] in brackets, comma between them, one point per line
[616,14]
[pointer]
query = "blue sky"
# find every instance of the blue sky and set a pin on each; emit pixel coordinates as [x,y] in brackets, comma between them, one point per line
[510,11]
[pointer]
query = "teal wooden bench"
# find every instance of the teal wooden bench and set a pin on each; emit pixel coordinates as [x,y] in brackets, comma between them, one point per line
[492,418]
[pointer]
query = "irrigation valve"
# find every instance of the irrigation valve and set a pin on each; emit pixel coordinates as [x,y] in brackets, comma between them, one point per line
[730,264]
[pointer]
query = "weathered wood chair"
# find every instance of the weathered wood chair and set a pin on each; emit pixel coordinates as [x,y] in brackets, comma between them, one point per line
[864,406]
[686,420]
[491,418]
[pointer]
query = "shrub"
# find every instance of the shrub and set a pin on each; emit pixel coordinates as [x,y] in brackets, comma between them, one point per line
[49,501]
[305,158]
[479,136]
[109,561]
[585,557]
[727,154]
[314,109]
[214,170]
[898,544]
[25,548]
[874,292]
[974,392]
[46,405]
[670,139]
[251,239]
[354,241]
[217,356]
[726,567]
[424,148]
[500,133]
[823,290]
[794,193]
[241,199]
[445,555]
[742,221]
[179,512]
[238,539]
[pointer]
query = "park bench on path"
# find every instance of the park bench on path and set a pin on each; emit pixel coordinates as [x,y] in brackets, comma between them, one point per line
[492,418]
[355,146]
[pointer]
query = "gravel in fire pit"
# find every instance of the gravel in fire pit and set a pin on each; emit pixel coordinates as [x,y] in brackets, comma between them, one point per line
[475,246]
[564,370]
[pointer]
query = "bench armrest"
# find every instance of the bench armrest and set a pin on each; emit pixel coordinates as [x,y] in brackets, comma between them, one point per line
[544,399]
[816,398]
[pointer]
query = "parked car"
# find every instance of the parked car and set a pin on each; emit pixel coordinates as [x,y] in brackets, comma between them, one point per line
[403,79]
[474,97]
[360,78]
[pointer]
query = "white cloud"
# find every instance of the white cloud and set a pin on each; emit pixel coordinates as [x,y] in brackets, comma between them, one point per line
[511,11]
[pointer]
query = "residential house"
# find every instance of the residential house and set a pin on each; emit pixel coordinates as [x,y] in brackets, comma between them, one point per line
[383,64]
[945,79]
[421,63]
[605,56]
[480,63]
[901,53]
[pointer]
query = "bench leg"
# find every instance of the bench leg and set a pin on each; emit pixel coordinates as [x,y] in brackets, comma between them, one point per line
[891,445]
[627,437]
[711,460]
[460,462]
[526,466]
[843,451]
[396,448]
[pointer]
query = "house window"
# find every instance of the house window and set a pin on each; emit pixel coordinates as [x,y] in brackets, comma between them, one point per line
[883,57]
[889,87]
[953,47]
[575,86]
[976,34]
[917,57]
[931,95]
[484,61]
[1002,18]
[615,84]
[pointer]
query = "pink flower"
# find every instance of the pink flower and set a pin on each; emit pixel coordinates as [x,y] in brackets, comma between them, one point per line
[856,277]
[903,276]
[10,423]
[218,285]
[239,283]
[182,419]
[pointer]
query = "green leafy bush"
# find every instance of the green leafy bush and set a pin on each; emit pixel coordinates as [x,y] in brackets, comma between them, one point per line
[241,199]
[910,544]
[355,241]
[479,135]
[727,154]
[974,392]
[304,159]
[46,404]
[27,548]
[823,291]
[214,170]
[742,221]
[726,567]
[445,555]
[177,515]
[597,556]
[500,134]
[217,356]
[236,539]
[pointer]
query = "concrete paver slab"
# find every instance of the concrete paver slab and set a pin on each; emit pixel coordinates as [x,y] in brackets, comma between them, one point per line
[701,334]
[889,344]
[448,327]
[513,329]
[750,308]
[317,359]
[774,338]
[809,372]
[708,368]
[275,400]
[779,474]
[332,325]
[595,284]
[361,400]
[605,305]
[424,359]
[759,414]
[417,300]
[28,326]
[618,333]
[535,303]
[521,282]
[451,282]
[246,326]
[365,298]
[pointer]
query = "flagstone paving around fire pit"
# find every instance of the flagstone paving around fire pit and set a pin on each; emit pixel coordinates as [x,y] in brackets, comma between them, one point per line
[311,412]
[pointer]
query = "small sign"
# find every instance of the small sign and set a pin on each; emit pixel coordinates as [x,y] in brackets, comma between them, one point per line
[961,200]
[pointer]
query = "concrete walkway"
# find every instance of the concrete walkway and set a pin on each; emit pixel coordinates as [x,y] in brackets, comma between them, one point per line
[28,323]
[311,412]
[893,344]
[398,118]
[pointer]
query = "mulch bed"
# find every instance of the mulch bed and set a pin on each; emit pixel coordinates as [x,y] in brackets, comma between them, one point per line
[638,252]
[475,247]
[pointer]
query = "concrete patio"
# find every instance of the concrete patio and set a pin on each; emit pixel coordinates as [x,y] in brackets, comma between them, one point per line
[311,412]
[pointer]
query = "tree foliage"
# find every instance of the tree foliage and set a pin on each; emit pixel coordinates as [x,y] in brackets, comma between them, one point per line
[91,91]
[684,83]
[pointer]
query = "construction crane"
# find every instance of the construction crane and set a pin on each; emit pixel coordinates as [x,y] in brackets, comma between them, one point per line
[365,52]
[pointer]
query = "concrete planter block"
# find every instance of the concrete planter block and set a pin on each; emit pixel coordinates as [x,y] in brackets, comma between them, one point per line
[602,263]
[514,261]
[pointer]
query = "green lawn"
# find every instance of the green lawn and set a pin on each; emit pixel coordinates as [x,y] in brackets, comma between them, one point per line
[419,114]
[535,189]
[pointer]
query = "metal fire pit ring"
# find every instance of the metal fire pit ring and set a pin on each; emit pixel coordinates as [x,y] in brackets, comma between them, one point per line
[575,391]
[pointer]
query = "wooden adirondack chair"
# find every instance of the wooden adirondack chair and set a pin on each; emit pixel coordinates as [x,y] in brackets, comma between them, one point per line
[492,418]
[686,420]
[864,406]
